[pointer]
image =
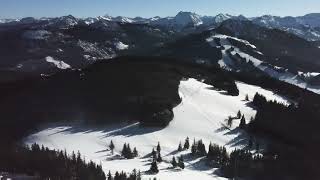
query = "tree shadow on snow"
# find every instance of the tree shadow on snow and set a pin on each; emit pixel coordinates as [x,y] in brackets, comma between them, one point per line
[124,129]
[132,130]
[240,140]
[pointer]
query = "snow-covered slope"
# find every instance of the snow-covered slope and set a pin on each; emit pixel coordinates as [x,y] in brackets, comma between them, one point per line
[57,63]
[304,26]
[200,116]
[280,73]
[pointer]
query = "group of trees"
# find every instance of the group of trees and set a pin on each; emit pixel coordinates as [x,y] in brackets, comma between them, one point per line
[292,131]
[128,153]
[240,116]
[156,158]
[135,175]
[180,162]
[239,163]
[185,146]
[198,148]
[49,164]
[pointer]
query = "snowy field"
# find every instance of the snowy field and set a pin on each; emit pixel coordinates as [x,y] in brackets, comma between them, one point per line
[200,116]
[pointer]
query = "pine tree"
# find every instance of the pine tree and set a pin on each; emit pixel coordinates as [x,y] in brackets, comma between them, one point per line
[129,152]
[139,176]
[181,162]
[158,147]
[174,162]
[135,152]
[194,148]
[239,114]
[242,122]
[201,148]
[154,167]
[111,146]
[116,176]
[247,98]
[154,155]
[124,150]
[210,152]
[186,143]
[229,121]
[159,159]
[109,176]
[180,147]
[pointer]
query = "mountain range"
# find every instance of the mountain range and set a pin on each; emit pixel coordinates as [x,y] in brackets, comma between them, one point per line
[307,26]
[32,47]
[247,87]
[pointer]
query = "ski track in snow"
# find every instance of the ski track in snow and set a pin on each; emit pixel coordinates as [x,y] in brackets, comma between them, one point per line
[200,116]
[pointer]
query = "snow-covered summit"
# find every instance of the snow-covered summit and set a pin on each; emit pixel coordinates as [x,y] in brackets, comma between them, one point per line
[187,18]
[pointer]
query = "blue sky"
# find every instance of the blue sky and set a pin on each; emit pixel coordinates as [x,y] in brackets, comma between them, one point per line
[149,8]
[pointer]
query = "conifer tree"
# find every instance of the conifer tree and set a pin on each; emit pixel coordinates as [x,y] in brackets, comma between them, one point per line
[201,148]
[159,159]
[181,162]
[180,147]
[194,148]
[109,176]
[111,146]
[154,154]
[158,147]
[247,98]
[116,175]
[174,162]
[129,152]
[229,121]
[135,152]
[242,122]
[154,167]
[186,143]
[239,114]
[124,150]
[139,176]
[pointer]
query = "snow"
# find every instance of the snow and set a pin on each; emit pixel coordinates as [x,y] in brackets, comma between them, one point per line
[200,115]
[273,71]
[57,63]
[37,34]
[225,37]
[121,46]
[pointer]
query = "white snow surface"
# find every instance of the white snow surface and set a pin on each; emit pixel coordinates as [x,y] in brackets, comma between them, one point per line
[121,46]
[57,63]
[200,116]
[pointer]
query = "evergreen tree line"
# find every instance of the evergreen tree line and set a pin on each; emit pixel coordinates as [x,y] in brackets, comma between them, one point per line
[293,132]
[49,164]
[135,175]
[239,163]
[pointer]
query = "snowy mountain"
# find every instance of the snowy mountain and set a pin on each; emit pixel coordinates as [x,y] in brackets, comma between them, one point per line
[306,27]
[194,114]
[246,88]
